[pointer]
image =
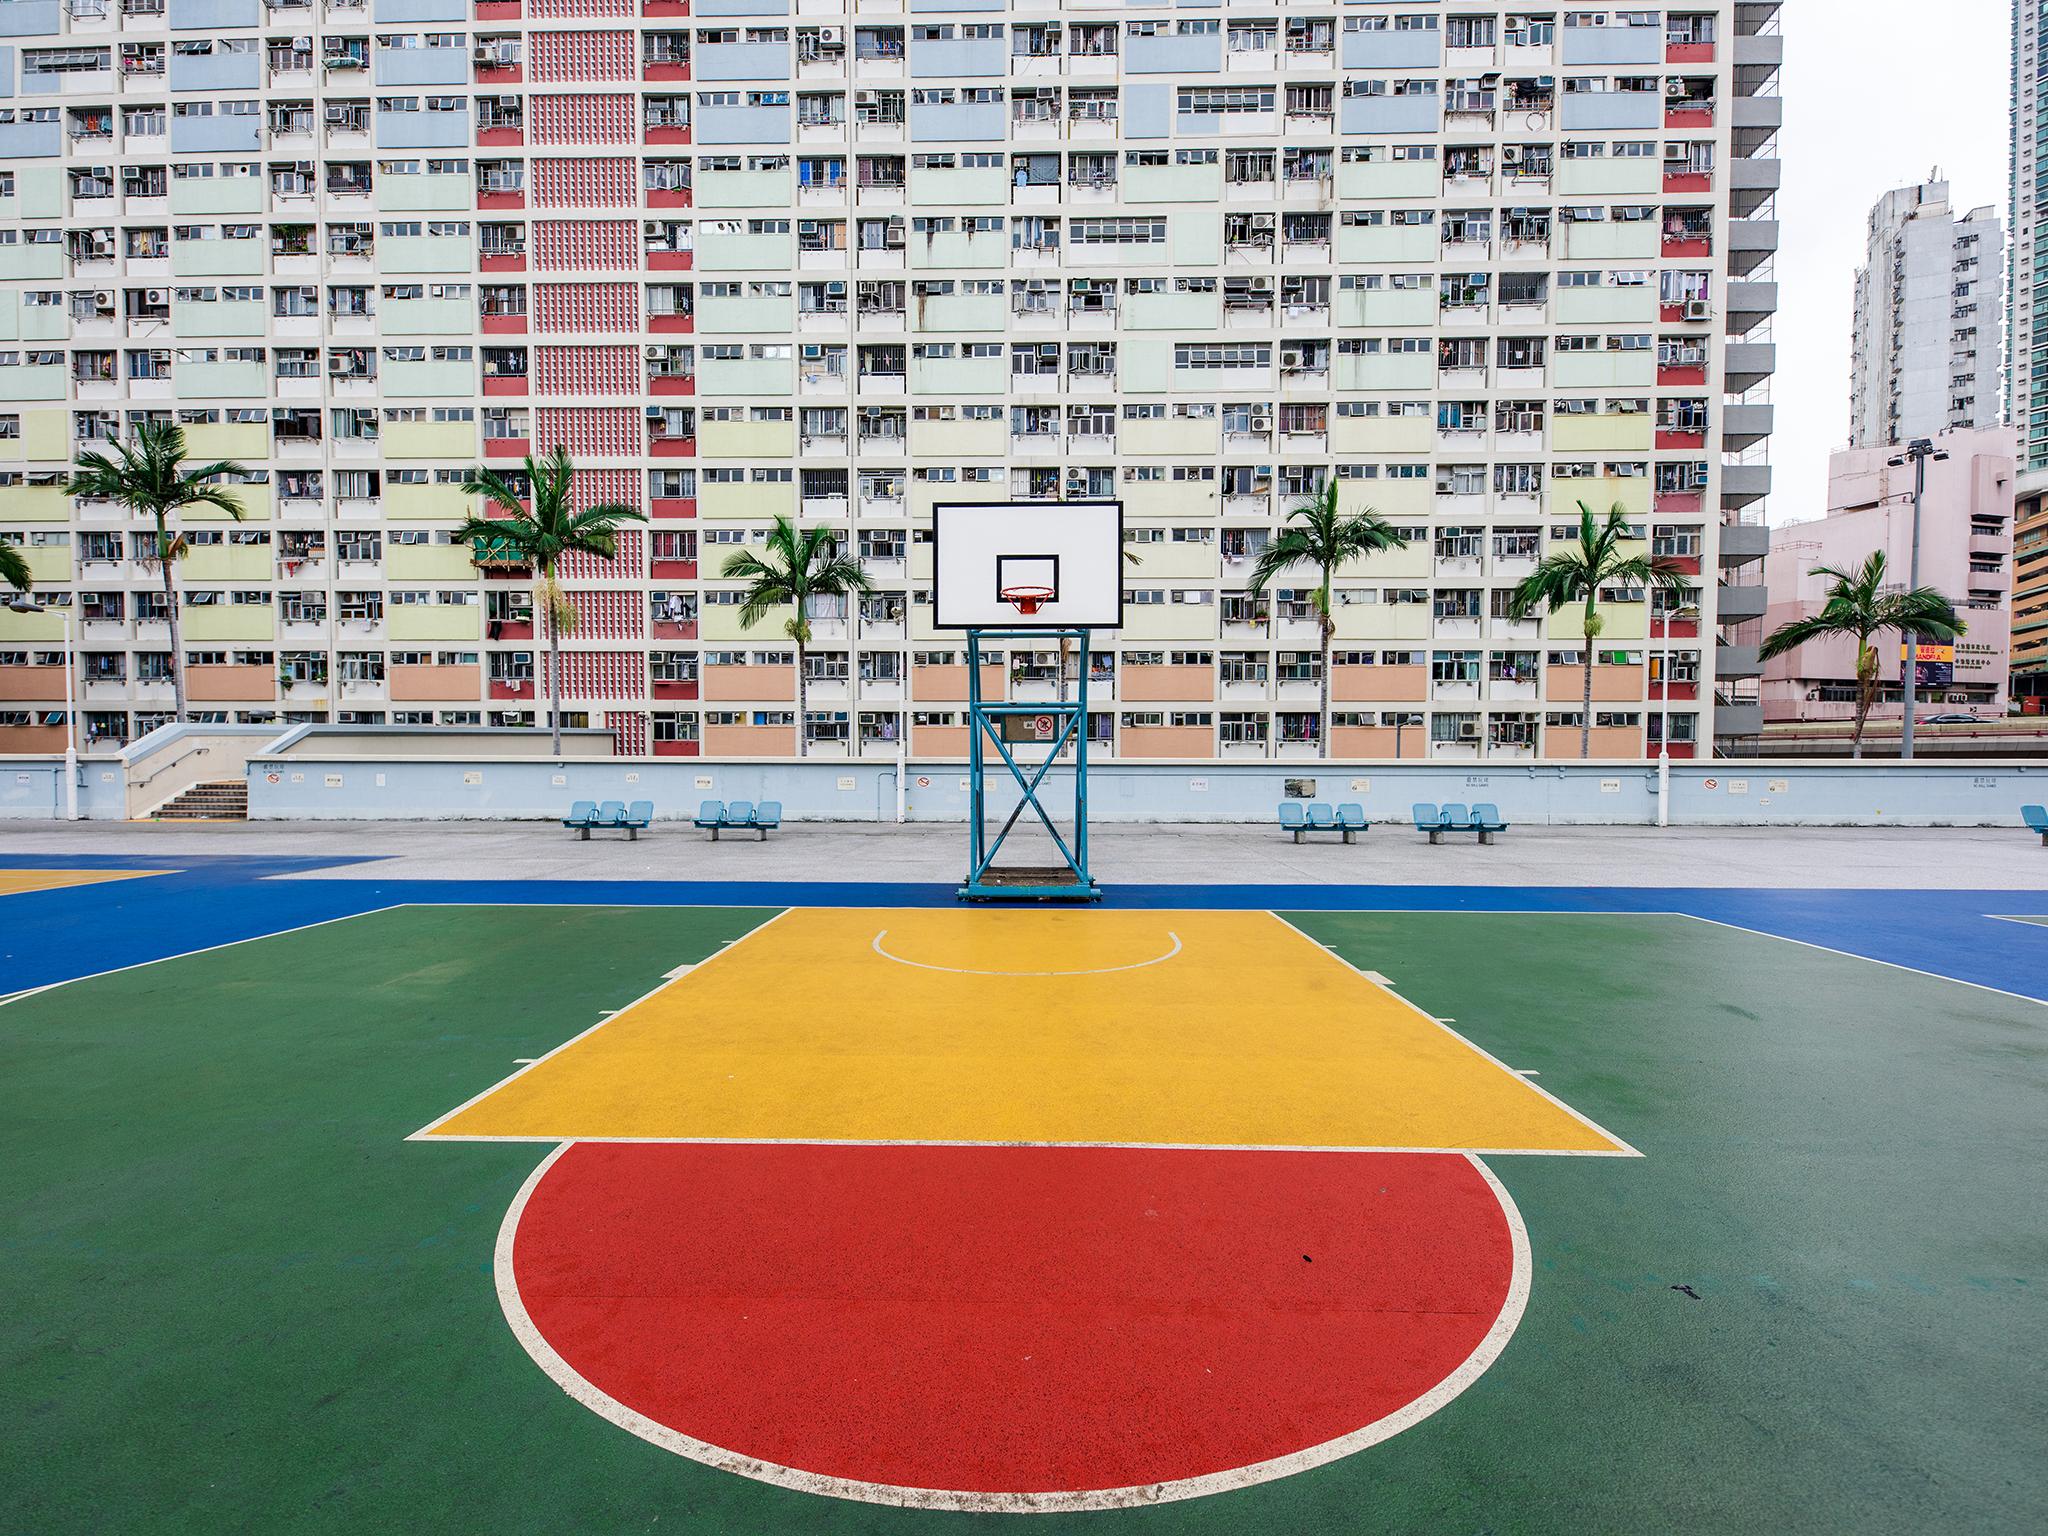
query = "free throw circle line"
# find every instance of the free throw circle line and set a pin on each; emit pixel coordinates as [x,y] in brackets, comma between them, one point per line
[605,1406]
[958,970]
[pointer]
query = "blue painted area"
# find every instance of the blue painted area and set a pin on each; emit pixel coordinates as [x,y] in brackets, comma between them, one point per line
[55,936]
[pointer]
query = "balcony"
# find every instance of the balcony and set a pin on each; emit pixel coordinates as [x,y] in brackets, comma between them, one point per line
[1733,719]
[1737,605]
[1752,181]
[1744,425]
[1748,364]
[1760,50]
[1751,242]
[1750,303]
[1737,661]
[1744,543]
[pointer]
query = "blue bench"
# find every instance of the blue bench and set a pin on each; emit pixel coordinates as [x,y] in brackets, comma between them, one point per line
[1483,819]
[2036,817]
[716,816]
[1347,820]
[587,816]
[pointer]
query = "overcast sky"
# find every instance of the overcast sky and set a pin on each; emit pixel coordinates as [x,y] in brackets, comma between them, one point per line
[1877,94]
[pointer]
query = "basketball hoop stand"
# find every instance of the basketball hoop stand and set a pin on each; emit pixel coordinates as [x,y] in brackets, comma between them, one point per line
[985,882]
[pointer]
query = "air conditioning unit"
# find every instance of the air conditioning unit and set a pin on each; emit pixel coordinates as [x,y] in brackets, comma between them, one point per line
[1510,154]
[831,36]
[156,295]
[1676,152]
[1262,424]
[1699,309]
[656,413]
[1674,89]
[1468,730]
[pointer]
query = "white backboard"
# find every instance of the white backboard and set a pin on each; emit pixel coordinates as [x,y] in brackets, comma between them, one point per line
[1074,548]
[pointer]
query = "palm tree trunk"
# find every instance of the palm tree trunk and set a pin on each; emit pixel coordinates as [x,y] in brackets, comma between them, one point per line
[803,702]
[547,596]
[1866,693]
[1586,699]
[1323,730]
[163,553]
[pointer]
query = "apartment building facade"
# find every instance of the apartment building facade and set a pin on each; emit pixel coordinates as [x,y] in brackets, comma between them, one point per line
[2026,279]
[840,259]
[1929,307]
[2030,592]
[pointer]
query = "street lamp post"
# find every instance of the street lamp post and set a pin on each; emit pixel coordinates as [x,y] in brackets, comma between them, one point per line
[27,604]
[1917,453]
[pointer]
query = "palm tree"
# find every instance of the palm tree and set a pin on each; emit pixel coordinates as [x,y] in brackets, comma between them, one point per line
[1318,534]
[14,568]
[1858,605]
[1575,573]
[149,479]
[795,567]
[537,536]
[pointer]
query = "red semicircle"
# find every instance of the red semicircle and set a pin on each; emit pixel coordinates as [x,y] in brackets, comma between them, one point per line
[1011,1320]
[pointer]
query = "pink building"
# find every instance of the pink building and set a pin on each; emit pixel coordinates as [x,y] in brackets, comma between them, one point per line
[1965,553]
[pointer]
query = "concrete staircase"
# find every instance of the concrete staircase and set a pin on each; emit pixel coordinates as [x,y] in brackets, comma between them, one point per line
[213,800]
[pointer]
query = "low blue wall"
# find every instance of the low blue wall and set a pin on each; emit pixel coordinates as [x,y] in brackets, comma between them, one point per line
[32,789]
[1555,794]
[1727,793]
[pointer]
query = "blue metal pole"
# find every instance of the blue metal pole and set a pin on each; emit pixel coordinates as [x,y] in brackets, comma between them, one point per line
[1081,769]
[974,730]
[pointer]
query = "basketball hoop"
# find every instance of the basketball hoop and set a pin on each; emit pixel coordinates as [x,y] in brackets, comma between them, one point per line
[1027,600]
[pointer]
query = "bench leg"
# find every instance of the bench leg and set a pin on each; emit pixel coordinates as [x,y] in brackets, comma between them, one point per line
[714,834]
[583,833]
[1486,837]
[632,834]
[761,833]
[1297,835]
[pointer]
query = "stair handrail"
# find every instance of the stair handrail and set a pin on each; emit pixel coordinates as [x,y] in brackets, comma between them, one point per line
[143,782]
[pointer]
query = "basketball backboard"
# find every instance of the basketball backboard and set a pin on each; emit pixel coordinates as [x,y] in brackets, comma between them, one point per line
[1028,564]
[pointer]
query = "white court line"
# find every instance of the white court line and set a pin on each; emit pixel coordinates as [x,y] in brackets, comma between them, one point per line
[607,1407]
[1762,933]
[426,1132]
[204,949]
[1410,1150]
[956,970]
[1625,1150]
[2024,919]
[1846,954]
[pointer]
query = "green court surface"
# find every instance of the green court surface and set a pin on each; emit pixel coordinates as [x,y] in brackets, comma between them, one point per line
[240,1299]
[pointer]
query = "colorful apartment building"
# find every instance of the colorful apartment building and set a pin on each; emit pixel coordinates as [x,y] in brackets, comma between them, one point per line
[840,259]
